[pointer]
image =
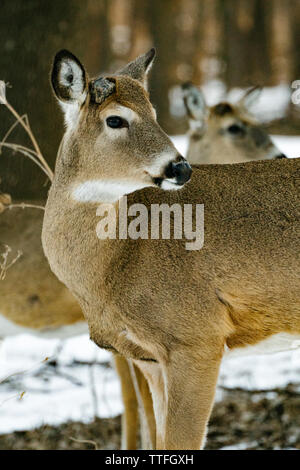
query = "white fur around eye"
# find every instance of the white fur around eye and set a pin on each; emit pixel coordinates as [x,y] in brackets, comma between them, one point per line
[123,112]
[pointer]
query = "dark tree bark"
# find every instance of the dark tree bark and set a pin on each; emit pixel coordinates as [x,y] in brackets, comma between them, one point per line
[31,33]
[244,42]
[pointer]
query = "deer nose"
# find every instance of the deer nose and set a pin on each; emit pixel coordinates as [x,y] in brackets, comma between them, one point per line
[282,155]
[180,171]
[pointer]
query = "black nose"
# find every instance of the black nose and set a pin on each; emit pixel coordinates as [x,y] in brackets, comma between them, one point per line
[180,171]
[281,156]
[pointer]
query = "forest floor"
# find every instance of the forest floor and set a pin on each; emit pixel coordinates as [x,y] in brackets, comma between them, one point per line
[251,420]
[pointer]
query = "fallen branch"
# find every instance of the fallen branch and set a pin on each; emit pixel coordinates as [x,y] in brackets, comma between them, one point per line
[84,441]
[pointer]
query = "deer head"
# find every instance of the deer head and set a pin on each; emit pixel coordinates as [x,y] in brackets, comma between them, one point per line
[225,133]
[113,144]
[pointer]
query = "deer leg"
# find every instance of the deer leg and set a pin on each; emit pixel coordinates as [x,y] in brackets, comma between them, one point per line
[183,395]
[148,426]
[154,375]
[130,415]
[191,378]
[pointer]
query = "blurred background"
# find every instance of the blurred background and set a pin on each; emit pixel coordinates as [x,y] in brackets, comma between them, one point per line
[222,44]
[73,399]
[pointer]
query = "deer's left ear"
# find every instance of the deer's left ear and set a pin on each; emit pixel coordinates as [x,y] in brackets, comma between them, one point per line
[194,102]
[140,67]
[68,78]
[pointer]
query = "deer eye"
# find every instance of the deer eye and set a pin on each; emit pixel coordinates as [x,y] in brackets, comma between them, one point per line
[236,129]
[116,122]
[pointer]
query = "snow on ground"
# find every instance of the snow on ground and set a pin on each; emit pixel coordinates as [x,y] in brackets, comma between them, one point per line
[67,392]
[81,384]
[54,395]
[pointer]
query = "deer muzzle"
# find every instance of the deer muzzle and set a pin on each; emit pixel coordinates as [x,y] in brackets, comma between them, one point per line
[179,173]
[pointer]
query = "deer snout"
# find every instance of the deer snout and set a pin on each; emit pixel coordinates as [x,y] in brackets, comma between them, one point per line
[281,155]
[180,172]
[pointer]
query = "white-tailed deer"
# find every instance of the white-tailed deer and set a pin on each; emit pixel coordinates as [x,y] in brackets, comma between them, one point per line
[225,133]
[31,298]
[41,305]
[171,311]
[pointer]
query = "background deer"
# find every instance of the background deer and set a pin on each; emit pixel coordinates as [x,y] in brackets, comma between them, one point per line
[33,300]
[171,311]
[31,297]
[225,133]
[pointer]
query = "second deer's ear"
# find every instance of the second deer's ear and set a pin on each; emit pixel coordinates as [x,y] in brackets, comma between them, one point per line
[68,78]
[140,67]
[249,98]
[194,102]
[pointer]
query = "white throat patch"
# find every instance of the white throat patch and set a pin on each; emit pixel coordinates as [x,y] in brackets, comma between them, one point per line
[104,191]
[170,184]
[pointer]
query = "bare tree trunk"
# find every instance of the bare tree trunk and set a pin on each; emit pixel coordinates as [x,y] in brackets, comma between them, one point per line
[244,42]
[211,34]
[281,42]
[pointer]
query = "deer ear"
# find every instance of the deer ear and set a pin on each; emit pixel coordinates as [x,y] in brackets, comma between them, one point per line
[68,78]
[194,102]
[249,98]
[140,67]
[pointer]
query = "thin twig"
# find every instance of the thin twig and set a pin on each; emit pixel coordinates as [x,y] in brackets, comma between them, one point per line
[21,372]
[18,147]
[23,205]
[28,153]
[85,441]
[28,130]
[14,125]
[5,265]
[24,122]
[18,395]
[93,389]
